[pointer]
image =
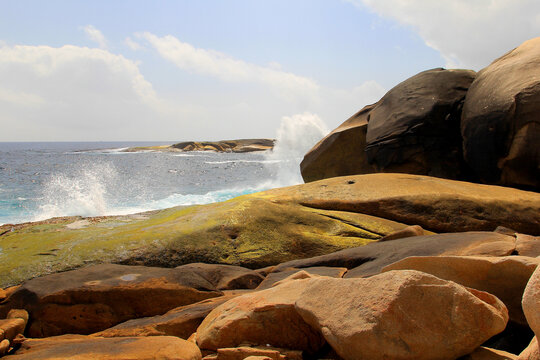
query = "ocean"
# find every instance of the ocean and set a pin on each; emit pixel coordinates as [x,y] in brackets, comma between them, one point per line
[43,180]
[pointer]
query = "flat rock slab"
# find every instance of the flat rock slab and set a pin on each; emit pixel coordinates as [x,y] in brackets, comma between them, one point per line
[370,259]
[90,348]
[436,204]
[400,315]
[504,277]
[276,277]
[226,277]
[97,297]
[181,322]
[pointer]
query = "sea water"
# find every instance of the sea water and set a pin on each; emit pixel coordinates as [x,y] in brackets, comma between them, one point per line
[43,180]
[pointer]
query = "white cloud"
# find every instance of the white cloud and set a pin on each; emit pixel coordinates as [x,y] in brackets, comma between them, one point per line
[96,36]
[133,45]
[467,33]
[74,93]
[226,68]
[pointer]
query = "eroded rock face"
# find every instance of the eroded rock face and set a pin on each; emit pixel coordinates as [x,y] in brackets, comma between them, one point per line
[414,128]
[401,315]
[500,125]
[226,277]
[260,318]
[504,277]
[181,322]
[370,259]
[531,302]
[90,348]
[97,297]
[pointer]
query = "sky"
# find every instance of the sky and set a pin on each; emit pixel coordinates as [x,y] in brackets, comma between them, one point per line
[137,70]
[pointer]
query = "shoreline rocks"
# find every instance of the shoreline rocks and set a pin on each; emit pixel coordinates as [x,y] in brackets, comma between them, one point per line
[234,146]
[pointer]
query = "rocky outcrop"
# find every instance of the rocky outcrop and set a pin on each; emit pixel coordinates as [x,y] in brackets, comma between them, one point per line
[260,318]
[226,277]
[97,297]
[370,259]
[414,129]
[531,308]
[275,278]
[500,125]
[504,277]
[400,315]
[235,146]
[90,348]
[270,227]
[181,322]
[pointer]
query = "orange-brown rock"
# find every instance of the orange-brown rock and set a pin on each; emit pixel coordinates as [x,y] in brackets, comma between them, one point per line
[10,328]
[413,230]
[400,315]
[91,348]
[531,302]
[240,353]
[436,204]
[532,352]
[500,124]
[484,353]
[276,277]
[260,318]
[181,322]
[504,277]
[528,245]
[97,297]
[4,346]
[370,259]
[226,277]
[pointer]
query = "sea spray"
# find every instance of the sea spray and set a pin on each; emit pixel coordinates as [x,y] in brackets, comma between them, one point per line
[295,136]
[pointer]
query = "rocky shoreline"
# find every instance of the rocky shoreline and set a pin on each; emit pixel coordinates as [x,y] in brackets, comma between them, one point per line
[234,146]
[391,261]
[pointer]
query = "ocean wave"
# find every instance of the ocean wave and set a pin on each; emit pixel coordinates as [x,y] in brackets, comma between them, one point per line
[245,161]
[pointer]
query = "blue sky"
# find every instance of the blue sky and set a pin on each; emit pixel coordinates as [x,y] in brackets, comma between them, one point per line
[207,70]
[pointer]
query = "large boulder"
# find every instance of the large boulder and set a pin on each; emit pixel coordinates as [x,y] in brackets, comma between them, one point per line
[95,298]
[500,125]
[400,315]
[414,128]
[226,277]
[260,318]
[504,277]
[370,259]
[88,348]
[531,302]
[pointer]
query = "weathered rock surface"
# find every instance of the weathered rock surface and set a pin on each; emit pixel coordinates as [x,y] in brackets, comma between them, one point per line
[413,230]
[500,125]
[532,352]
[90,348]
[226,277]
[276,277]
[531,302]
[400,315]
[181,322]
[504,277]
[438,205]
[528,245]
[260,318]
[370,259]
[414,128]
[97,297]
[270,227]
[483,353]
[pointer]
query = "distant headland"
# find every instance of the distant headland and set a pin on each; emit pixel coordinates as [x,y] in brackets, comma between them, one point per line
[235,146]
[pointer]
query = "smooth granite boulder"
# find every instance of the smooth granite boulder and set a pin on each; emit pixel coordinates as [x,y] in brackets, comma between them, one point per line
[504,277]
[500,125]
[97,297]
[414,129]
[400,315]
